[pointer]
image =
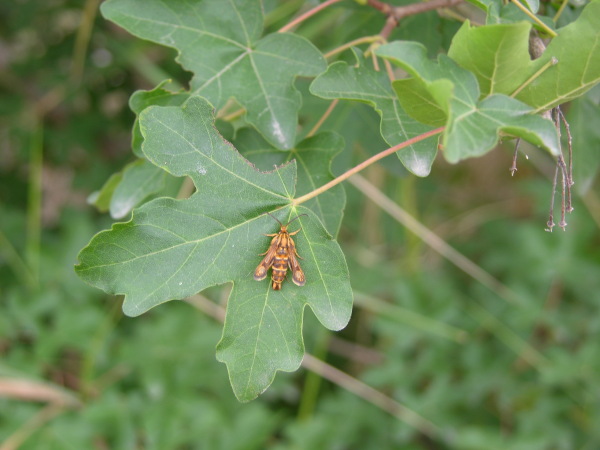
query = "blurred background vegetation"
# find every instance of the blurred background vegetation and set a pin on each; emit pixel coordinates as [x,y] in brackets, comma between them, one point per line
[514,367]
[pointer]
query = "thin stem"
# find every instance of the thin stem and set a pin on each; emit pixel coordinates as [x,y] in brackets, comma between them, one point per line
[301,18]
[550,224]
[400,12]
[234,115]
[511,339]
[82,39]
[433,240]
[34,203]
[409,318]
[533,17]
[390,24]
[513,168]
[564,183]
[570,144]
[560,10]
[553,61]
[312,382]
[17,264]
[371,395]
[17,439]
[354,43]
[365,164]
[323,118]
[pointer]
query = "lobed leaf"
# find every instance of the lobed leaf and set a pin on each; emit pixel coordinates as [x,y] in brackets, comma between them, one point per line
[140,180]
[221,44]
[171,249]
[577,49]
[473,127]
[498,55]
[310,155]
[366,85]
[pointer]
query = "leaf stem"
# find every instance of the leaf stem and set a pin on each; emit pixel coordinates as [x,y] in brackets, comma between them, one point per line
[434,241]
[400,12]
[82,40]
[560,10]
[301,18]
[553,61]
[323,118]
[373,396]
[535,18]
[365,164]
[354,43]
[34,203]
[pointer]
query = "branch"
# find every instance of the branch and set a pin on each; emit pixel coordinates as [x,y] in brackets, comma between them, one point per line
[301,18]
[400,12]
[365,164]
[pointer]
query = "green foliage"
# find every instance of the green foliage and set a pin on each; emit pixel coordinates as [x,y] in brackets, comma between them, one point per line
[425,337]
[342,81]
[445,92]
[173,249]
[224,49]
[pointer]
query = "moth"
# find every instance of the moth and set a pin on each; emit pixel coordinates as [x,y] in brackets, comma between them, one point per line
[281,255]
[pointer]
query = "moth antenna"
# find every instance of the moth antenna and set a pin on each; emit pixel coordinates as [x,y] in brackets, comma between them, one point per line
[267,212]
[297,217]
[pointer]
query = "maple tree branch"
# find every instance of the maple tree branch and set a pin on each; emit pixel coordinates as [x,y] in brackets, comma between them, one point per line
[400,12]
[365,164]
[301,18]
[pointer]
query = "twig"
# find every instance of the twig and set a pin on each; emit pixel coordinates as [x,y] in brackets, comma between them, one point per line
[535,18]
[550,224]
[372,395]
[365,164]
[82,40]
[354,43]
[560,10]
[570,144]
[400,12]
[389,26]
[513,168]
[323,118]
[433,240]
[301,18]
[31,426]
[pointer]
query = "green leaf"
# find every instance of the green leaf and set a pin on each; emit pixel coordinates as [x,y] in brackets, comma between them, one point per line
[313,158]
[498,55]
[533,5]
[473,127]
[101,199]
[222,46]
[172,249]
[577,48]
[140,100]
[366,85]
[140,180]
[584,119]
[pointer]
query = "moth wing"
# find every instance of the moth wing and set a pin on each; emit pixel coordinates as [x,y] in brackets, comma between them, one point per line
[261,270]
[297,272]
